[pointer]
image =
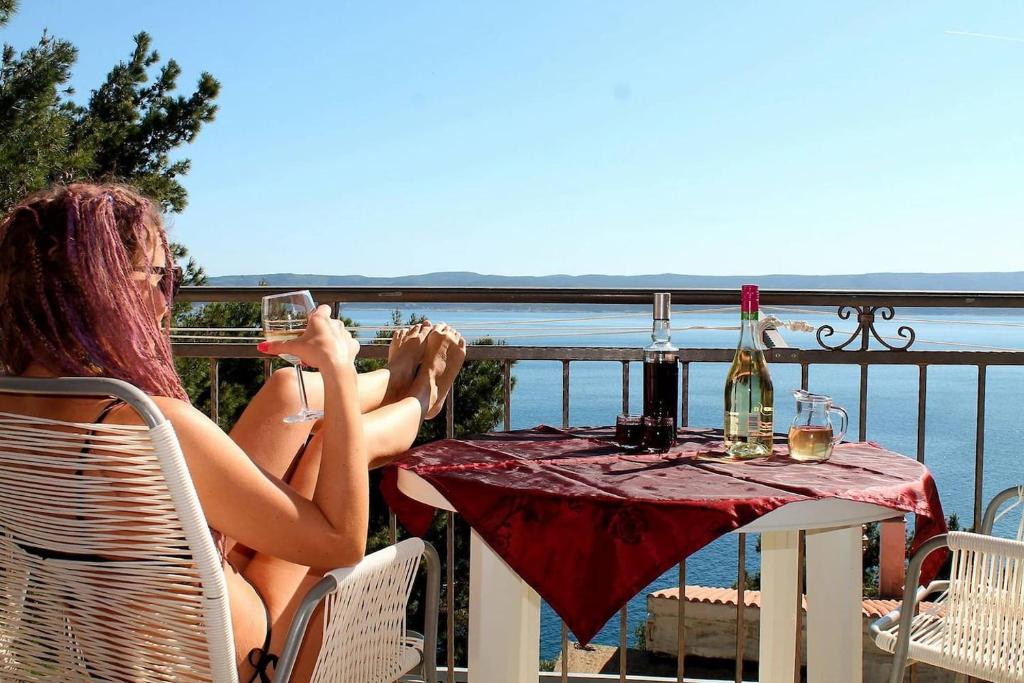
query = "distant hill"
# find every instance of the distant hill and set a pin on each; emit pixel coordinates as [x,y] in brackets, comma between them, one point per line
[970,282]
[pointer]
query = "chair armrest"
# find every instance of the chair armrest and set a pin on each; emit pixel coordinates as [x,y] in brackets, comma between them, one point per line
[330,583]
[887,621]
[297,630]
[905,615]
[992,510]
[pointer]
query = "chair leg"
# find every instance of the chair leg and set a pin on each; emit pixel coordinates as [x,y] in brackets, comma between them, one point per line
[899,668]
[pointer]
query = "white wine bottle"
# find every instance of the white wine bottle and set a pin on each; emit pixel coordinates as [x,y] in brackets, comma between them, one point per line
[749,397]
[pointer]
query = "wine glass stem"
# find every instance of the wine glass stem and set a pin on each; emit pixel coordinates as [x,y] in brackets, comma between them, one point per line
[302,387]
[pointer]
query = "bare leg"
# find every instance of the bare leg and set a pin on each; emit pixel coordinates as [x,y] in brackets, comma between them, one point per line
[283,584]
[260,430]
[390,430]
[273,445]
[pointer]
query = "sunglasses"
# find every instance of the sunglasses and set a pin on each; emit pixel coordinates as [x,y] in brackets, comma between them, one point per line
[175,272]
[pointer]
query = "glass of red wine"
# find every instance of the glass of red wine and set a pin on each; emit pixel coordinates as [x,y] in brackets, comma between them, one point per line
[629,431]
[659,432]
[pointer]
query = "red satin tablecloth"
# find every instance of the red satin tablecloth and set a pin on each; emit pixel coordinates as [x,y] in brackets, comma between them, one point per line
[588,526]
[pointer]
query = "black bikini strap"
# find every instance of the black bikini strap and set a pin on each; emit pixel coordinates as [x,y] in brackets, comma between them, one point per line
[107,409]
[260,657]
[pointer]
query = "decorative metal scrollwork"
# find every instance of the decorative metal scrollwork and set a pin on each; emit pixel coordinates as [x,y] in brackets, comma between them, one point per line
[866,329]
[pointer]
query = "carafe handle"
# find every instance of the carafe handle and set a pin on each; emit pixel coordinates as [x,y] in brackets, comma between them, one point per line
[845,422]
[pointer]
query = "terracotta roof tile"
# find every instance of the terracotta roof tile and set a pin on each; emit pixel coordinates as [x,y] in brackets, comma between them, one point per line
[727,596]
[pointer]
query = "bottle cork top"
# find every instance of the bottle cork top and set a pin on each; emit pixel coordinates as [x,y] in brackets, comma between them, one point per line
[662,306]
[750,299]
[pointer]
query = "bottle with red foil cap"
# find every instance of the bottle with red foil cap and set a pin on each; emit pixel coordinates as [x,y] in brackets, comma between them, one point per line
[749,396]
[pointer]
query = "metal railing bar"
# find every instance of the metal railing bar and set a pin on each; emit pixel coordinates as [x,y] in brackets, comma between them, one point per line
[449,414]
[680,623]
[684,393]
[625,387]
[863,420]
[214,390]
[565,653]
[450,595]
[392,295]
[565,394]
[449,428]
[801,549]
[506,394]
[922,410]
[805,376]
[979,449]
[741,587]
[694,355]
[565,424]
[623,644]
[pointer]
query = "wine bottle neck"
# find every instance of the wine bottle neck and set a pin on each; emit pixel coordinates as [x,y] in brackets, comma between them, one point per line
[750,333]
[661,331]
[661,338]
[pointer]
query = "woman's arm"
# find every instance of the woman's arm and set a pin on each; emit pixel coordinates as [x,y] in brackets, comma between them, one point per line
[243,502]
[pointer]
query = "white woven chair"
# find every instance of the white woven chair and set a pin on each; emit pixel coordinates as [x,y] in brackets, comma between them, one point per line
[975,626]
[108,571]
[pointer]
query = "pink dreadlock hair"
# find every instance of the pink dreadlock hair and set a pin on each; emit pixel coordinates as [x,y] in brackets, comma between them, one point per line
[68,297]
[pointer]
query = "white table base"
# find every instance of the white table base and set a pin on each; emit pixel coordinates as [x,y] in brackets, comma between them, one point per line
[834,589]
[504,620]
[779,566]
[504,612]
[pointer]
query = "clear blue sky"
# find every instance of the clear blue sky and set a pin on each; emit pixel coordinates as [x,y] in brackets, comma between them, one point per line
[588,137]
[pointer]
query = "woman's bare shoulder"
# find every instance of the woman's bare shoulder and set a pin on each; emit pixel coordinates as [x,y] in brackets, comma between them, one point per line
[180,413]
[175,407]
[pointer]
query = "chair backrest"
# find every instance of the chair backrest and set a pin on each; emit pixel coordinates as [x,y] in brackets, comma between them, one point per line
[984,624]
[364,618]
[107,569]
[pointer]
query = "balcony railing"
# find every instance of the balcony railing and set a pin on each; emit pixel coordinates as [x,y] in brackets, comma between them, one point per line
[863,348]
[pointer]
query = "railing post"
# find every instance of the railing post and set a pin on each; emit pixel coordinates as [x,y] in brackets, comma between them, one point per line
[506,391]
[863,418]
[565,424]
[565,394]
[922,410]
[681,626]
[450,595]
[623,644]
[741,605]
[215,390]
[979,448]
[625,387]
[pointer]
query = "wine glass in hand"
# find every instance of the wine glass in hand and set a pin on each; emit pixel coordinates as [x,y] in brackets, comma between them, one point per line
[284,318]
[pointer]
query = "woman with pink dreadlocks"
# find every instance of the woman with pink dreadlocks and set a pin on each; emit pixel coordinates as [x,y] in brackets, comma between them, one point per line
[86,285]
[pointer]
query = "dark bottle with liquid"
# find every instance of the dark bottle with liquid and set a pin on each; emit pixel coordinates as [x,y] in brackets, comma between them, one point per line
[661,363]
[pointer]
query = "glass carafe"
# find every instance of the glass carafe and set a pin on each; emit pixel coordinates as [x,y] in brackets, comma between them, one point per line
[812,435]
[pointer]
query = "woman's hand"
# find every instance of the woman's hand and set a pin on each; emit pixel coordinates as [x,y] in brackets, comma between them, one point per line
[325,342]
